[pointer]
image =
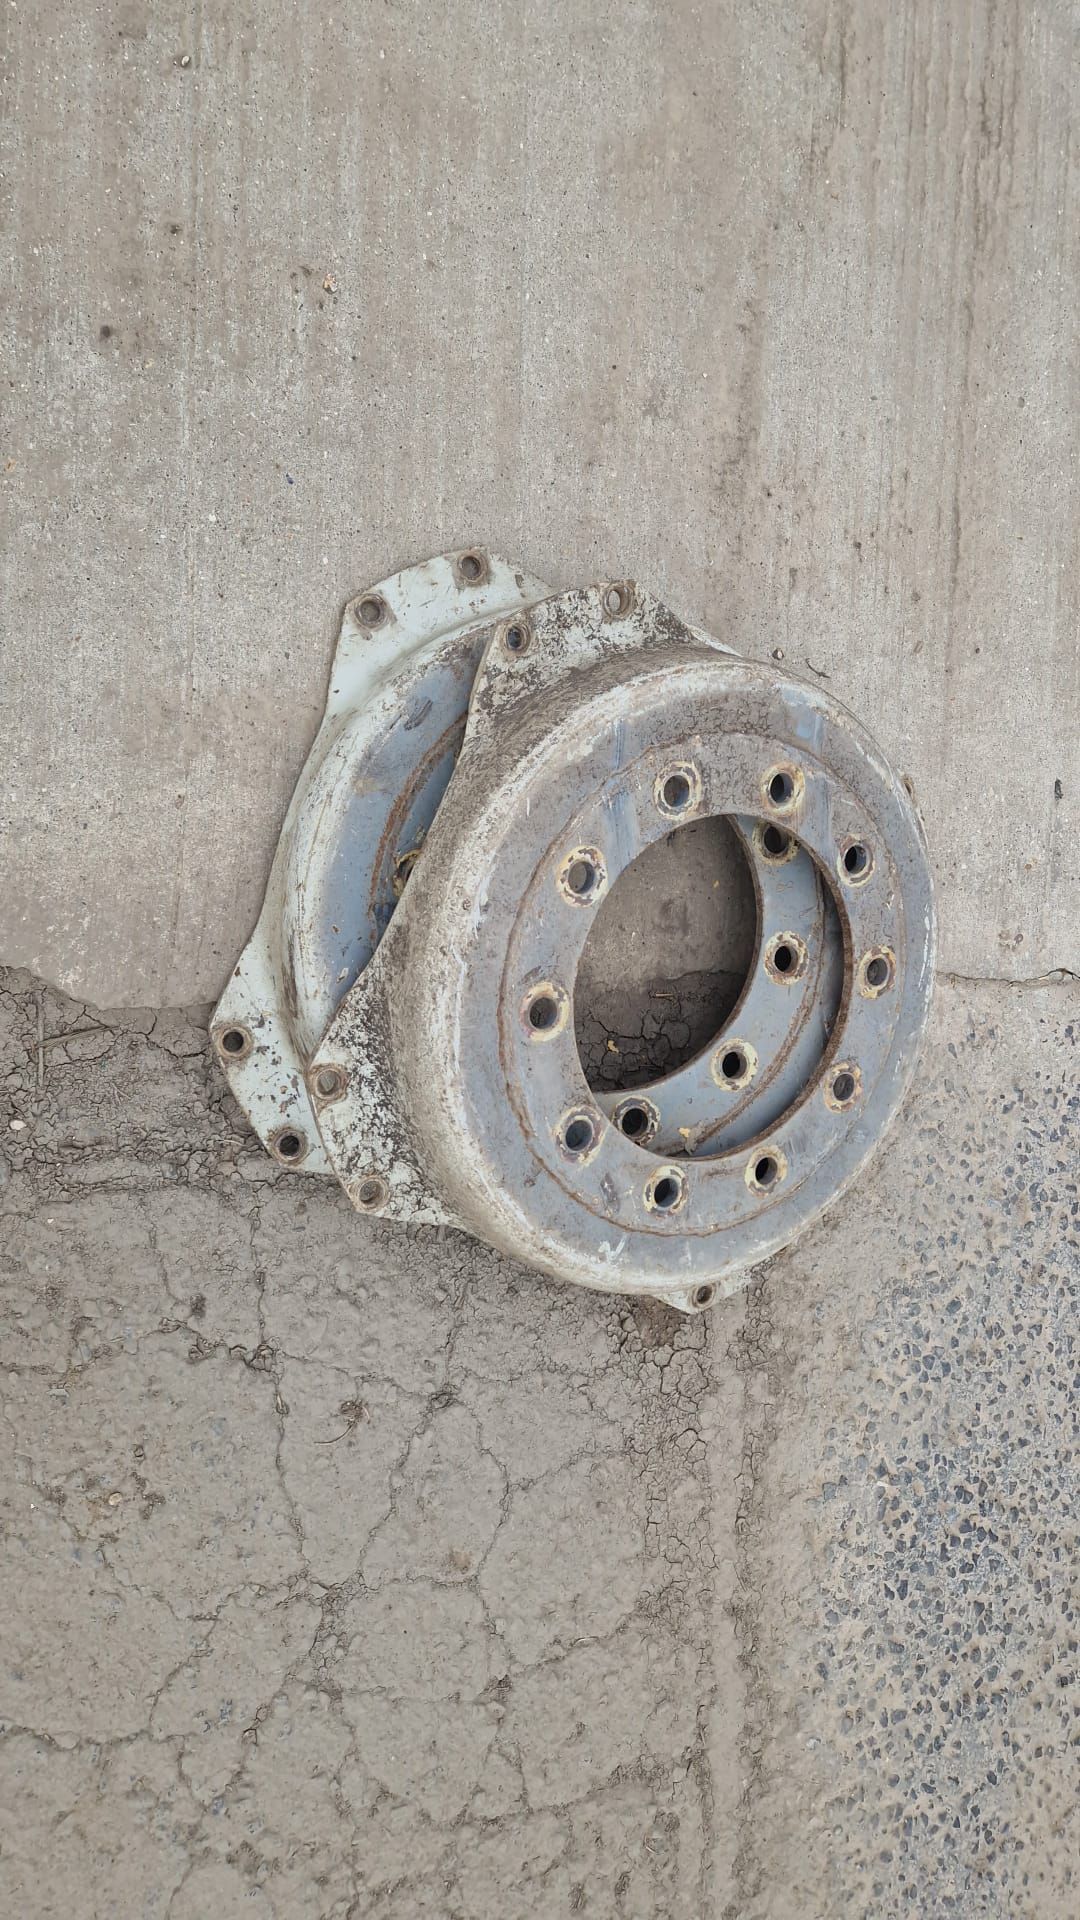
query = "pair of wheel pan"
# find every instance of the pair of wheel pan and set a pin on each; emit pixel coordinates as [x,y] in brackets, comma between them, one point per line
[508,752]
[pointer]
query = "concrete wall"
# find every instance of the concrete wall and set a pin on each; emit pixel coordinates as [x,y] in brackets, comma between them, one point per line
[772,306]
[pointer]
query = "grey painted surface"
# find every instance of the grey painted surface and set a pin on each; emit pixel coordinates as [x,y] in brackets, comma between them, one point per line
[772,306]
[351,1571]
[348,1571]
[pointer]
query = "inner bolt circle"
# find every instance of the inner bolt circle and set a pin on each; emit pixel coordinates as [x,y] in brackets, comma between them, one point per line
[765,1169]
[637,1119]
[786,958]
[666,1190]
[544,1010]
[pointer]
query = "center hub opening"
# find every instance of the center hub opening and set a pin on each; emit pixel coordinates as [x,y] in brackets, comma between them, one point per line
[667,956]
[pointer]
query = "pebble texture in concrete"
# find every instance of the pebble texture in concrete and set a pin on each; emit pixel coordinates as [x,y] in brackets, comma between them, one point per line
[350,1571]
[772,306]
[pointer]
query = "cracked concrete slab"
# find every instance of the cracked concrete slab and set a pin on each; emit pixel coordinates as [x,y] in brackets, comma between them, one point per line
[356,1572]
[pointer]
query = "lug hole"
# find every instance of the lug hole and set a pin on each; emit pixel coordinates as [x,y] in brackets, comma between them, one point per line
[516,638]
[843,1085]
[775,842]
[702,1296]
[234,1042]
[876,973]
[472,567]
[371,1192]
[579,1134]
[580,879]
[677,790]
[734,1064]
[544,1011]
[666,1190]
[856,862]
[783,787]
[329,1083]
[766,1170]
[371,610]
[616,599]
[786,958]
[637,1120]
[289,1145]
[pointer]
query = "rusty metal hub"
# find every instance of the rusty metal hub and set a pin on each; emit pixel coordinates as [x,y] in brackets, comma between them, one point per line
[434,1069]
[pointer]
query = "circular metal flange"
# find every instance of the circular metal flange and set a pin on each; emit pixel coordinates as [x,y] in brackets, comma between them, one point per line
[490,1124]
[762,1056]
[399,691]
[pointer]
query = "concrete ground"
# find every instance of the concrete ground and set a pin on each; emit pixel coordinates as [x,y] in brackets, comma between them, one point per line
[349,1571]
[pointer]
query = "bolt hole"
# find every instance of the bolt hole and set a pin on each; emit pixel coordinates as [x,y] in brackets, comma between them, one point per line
[765,1170]
[516,638]
[877,971]
[774,842]
[666,1192]
[783,959]
[371,610]
[581,877]
[371,1192]
[634,1121]
[733,1064]
[616,600]
[843,1088]
[234,1040]
[856,861]
[781,789]
[702,1296]
[328,1082]
[578,1135]
[471,566]
[676,791]
[543,1012]
[289,1146]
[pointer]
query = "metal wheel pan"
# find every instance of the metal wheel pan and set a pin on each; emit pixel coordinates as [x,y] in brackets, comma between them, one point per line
[567,741]
[406,660]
